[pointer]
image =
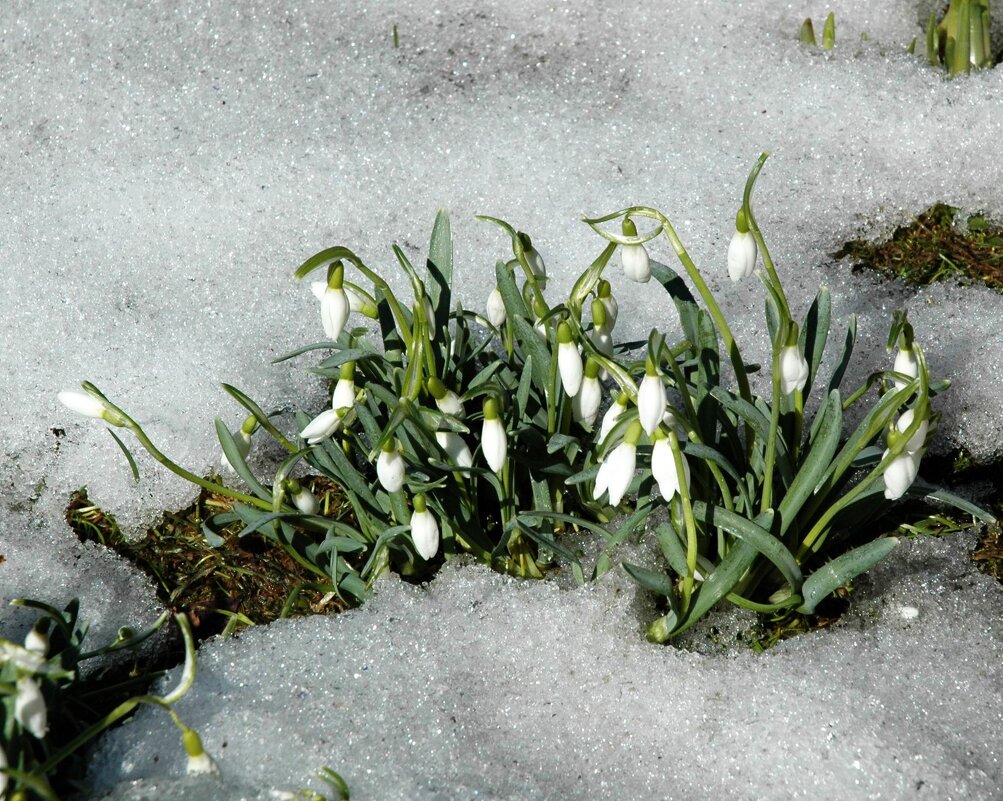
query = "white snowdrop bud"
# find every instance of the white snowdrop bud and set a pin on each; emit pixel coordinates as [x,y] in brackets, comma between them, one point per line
[496,308]
[494,442]
[534,260]
[447,400]
[742,250]
[793,369]
[199,762]
[390,466]
[634,258]
[613,413]
[37,641]
[29,707]
[907,364]
[304,500]
[899,474]
[455,447]
[617,469]
[334,303]
[424,529]
[651,400]
[242,439]
[917,440]
[585,405]
[663,466]
[322,426]
[343,396]
[569,360]
[89,406]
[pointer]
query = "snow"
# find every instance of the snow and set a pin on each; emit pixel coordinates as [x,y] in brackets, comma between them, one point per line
[167,169]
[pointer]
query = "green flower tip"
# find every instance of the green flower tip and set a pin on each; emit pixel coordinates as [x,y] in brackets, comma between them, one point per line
[604,289]
[633,435]
[592,368]
[526,242]
[792,335]
[347,371]
[628,227]
[192,743]
[390,445]
[649,367]
[490,409]
[741,224]
[336,275]
[250,425]
[419,503]
[436,388]
[564,333]
[598,313]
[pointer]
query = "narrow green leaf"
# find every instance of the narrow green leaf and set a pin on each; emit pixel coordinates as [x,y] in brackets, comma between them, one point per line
[534,345]
[814,334]
[844,359]
[323,259]
[525,384]
[128,455]
[238,463]
[817,462]
[923,489]
[828,578]
[672,547]
[440,269]
[650,579]
[721,582]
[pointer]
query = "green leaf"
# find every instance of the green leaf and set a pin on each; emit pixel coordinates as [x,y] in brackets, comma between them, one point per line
[515,306]
[672,547]
[238,463]
[842,569]
[263,419]
[814,334]
[844,359]
[588,280]
[922,489]
[534,345]
[525,384]
[128,455]
[548,542]
[651,580]
[324,258]
[721,582]
[756,534]
[817,462]
[440,268]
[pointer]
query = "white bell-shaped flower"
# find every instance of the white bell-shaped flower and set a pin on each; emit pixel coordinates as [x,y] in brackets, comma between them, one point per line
[242,439]
[907,364]
[793,369]
[447,400]
[322,426]
[494,442]
[90,406]
[899,474]
[917,440]
[617,408]
[29,707]
[496,308]
[303,499]
[455,447]
[334,303]
[37,641]
[424,529]
[634,258]
[534,260]
[663,467]
[585,405]
[343,396]
[742,250]
[199,762]
[651,400]
[569,360]
[390,466]
[617,469]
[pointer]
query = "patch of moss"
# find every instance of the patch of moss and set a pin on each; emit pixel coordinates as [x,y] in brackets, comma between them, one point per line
[247,580]
[935,248]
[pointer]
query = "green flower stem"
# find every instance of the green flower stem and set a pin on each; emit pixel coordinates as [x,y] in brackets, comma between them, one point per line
[692,548]
[391,299]
[771,441]
[757,234]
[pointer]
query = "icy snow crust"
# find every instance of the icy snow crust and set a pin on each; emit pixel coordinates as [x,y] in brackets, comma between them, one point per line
[168,166]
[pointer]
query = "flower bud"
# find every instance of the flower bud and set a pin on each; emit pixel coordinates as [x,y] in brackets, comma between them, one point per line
[37,640]
[534,260]
[793,369]
[199,762]
[585,405]
[343,396]
[613,413]
[29,707]
[907,364]
[569,360]
[390,466]
[447,400]
[90,406]
[494,441]
[917,440]
[322,426]
[242,439]
[742,250]
[617,469]
[604,293]
[663,466]
[899,474]
[634,258]
[651,400]
[334,302]
[424,529]
[455,447]
[302,498]
[496,308]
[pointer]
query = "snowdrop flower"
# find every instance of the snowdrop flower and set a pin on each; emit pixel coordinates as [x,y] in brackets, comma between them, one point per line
[907,364]
[899,474]
[742,250]
[569,360]
[613,414]
[29,707]
[358,301]
[634,258]
[534,260]
[302,498]
[447,400]
[585,405]
[617,470]
[199,762]
[455,447]
[343,396]
[651,401]
[604,294]
[496,308]
[494,442]
[334,302]
[390,466]
[793,369]
[20,657]
[90,406]
[37,640]
[663,465]
[322,426]
[917,440]
[242,439]
[424,529]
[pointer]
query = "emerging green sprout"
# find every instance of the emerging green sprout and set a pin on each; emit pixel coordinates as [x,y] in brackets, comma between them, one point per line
[960,42]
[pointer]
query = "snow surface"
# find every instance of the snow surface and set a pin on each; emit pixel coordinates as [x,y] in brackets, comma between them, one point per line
[168,166]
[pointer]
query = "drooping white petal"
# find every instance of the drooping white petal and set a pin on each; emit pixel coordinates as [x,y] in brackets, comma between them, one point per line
[636,265]
[243,442]
[742,253]
[609,419]
[29,707]
[620,464]
[344,394]
[37,642]
[199,762]
[569,364]
[663,468]
[494,444]
[390,470]
[651,403]
[450,403]
[306,501]
[585,405]
[455,447]
[917,440]
[906,363]
[334,310]
[82,403]
[793,370]
[321,427]
[425,534]
[899,474]
[612,310]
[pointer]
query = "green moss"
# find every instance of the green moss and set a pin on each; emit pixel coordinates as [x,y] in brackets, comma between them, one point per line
[935,248]
[248,580]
